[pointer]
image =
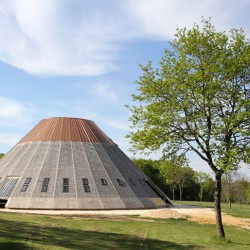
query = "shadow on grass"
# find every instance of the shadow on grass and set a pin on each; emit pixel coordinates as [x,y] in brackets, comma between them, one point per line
[20,235]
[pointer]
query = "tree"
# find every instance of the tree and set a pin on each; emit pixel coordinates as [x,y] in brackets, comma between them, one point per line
[203,180]
[197,100]
[227,186]
[168,171]
[248,193]
[240,189]
[184,176]
[151,169]
[148,166]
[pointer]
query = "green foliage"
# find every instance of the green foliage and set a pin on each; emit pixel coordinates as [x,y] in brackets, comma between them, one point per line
[198,99]
[248,193]
[165,175]
[176,173]
[234,187]
[148,166]
[1,155]
[204,181]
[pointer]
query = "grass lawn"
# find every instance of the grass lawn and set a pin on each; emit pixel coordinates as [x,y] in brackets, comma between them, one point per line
[20,231]
[237,210]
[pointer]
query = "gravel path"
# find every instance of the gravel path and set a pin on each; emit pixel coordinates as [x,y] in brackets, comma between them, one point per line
[191,213]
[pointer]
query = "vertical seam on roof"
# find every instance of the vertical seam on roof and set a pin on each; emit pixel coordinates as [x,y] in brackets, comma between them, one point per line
[127,173]
[40,169]
[57,168]
[98,195]
[74,172]
[38,143]
[110,177]
[13,153]
[14,165]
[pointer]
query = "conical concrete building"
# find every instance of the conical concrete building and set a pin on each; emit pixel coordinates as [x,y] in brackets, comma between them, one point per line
[69,163]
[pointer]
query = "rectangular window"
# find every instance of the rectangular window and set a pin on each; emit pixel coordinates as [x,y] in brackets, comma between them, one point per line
[46,181]
[65,189]
[44,188]
[26,184]
[104,182]
[132,182]
[65,185]
[85,181]
[121,183]
[45,185]
[86,189]
[66,181]
[27,181]
[24,188]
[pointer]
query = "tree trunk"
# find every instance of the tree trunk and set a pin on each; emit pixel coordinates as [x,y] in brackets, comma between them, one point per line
[180,195]
[201,196]
[173,195]
[217,197]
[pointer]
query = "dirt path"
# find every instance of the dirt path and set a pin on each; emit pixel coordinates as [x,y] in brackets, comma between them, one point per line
[191,213]
[207,216]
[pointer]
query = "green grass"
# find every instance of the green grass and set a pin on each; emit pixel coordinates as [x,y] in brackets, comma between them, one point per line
[20,231]
[237,210]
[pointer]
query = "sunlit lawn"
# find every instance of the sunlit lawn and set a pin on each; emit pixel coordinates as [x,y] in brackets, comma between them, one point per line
[237,210]
[19,231]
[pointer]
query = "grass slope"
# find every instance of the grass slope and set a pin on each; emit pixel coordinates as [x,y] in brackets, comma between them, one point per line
[20,231]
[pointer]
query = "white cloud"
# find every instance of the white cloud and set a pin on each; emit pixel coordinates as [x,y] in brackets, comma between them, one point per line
[15,114]
[58,37]
[104,92]
[160,18]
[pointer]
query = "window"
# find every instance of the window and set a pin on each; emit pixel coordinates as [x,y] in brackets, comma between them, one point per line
[132,182]
[104,182]
[65,189]
[65,185]
[85,183]
[121,183]
[44,188]
[66,181]
[26,184]
[27,181]
[45,184]
[86,189]
[24,188]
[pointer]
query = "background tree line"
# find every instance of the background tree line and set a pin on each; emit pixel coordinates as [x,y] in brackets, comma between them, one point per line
[180,182]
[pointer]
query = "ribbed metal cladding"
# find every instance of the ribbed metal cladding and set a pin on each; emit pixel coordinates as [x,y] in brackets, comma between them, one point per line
[7,187]
[67,129]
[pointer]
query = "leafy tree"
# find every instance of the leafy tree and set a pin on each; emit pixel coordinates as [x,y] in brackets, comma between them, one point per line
[1,155]
[248,193]
[203,179]
[168,171]
[240,189]
[176,173]
[148,166]
[227,187]
[151,169]
[184,176]
[197,100]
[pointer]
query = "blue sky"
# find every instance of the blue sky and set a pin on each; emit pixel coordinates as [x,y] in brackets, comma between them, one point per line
[79,58]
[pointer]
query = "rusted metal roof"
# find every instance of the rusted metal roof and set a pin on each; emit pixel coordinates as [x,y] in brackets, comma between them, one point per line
[67,129]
